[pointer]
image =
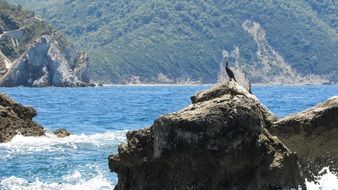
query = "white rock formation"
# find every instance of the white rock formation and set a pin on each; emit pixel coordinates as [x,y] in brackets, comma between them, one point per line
[46,63]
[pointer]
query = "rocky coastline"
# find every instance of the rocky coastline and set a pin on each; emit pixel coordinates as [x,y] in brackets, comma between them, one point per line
[17,119]
[226,139]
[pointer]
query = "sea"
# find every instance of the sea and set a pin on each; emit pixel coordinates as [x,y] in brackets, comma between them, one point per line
[99,119]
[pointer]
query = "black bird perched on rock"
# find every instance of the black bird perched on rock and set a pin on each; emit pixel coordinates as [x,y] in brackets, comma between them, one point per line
[229,72]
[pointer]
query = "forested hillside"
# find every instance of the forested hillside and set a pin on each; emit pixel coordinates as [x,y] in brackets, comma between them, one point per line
[182,41]
[17,20]
[35,54]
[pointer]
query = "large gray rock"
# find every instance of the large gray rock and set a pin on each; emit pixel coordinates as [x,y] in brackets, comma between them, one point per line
[17,119]
[218,142]
[47,63]
[313,134]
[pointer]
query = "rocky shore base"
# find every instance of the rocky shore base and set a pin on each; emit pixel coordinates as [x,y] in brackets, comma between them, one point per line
[17,119]
[226,139]
[313,134]
[221,141]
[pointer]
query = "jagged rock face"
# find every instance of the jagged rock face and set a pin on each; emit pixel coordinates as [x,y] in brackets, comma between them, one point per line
[81,69]
[218,142]
[17,119]
[48,64]
[5,64]
[313,134]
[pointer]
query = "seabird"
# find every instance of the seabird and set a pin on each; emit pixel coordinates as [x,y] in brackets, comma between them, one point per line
[229,72]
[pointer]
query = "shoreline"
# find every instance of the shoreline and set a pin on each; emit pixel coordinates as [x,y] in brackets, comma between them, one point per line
[174,85]
[194,84]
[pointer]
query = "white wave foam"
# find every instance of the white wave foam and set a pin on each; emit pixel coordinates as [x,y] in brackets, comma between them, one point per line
[74,181]
[50,143]
[327,182]
[74,176]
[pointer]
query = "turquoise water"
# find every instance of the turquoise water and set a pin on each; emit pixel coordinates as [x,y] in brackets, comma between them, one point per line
[99,119]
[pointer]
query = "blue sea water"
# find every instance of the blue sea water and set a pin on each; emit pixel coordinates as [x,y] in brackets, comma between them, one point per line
[99,119]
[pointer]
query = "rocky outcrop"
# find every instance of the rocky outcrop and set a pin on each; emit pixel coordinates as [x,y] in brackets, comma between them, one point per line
[17,119]
[218,142]
[47,63]
[5,63]
[62,133]
[34,54]
[313,134]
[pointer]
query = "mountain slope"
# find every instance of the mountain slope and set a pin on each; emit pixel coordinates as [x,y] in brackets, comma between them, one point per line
[327,10]
[182,41]
[32,53]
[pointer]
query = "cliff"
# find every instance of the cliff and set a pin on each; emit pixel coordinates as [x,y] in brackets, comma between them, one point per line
[34,54]
[218,142]
[313,134]
[17,119]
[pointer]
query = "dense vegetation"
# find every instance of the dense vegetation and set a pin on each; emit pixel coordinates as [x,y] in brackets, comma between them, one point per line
[184,39]
[14,18]
[327,10]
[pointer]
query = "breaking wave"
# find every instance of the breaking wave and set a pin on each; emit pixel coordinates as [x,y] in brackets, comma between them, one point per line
[326,182]
[89,176]
[50,143]
[72,181]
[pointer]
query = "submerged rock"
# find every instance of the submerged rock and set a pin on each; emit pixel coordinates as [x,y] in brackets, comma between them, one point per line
[313,134]
[17,119]
[218,142]
[62,133]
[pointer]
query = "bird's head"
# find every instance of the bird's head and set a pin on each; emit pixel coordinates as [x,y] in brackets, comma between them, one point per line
[225,56]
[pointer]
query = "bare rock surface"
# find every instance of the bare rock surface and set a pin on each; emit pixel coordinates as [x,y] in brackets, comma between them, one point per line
[313,134]
[62,133]
[17,119]
[46,63]
[218,142]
